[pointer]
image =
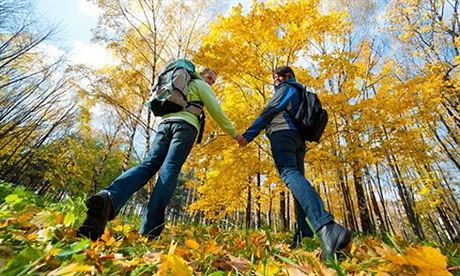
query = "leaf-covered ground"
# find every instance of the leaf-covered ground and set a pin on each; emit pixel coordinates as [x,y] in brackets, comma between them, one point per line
[38,237]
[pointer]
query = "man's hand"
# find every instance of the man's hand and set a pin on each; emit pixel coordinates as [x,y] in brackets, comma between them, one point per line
[241,140]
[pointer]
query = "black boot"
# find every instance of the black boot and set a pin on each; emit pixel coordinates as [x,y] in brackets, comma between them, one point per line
[100,210]
[333,237]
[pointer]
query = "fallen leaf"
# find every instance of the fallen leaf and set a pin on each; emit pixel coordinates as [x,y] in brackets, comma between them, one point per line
[72,269]
[239,264]
[192,244]
[429,260]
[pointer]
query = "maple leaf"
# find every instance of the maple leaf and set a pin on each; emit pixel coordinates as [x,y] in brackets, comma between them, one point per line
[176,264]
[429,260]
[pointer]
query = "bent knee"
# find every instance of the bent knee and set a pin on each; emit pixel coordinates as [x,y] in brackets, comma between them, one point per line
[288,171]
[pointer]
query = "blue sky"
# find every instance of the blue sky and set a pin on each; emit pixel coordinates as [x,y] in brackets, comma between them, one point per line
[75,19]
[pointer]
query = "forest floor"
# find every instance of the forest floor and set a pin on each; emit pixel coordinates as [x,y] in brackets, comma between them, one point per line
[38,237]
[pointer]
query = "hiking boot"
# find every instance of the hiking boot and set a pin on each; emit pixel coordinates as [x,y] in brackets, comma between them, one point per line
[333,237]
[100,210]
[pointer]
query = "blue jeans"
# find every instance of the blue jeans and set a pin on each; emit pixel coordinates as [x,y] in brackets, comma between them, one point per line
[288,150]
[171,146]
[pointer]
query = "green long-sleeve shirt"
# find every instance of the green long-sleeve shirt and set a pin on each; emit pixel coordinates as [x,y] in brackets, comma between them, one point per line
[199,90]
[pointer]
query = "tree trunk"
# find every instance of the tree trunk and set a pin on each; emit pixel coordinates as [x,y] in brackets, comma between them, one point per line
[382,199]
[248,208]
[130,148]
[405,198]
[366,225]
[375,206]
[283,211]
[447,224]
[350,221]
[259,215]
[270,207]
[100,167]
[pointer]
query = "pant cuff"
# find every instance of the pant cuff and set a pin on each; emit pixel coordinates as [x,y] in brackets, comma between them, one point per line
[323,221]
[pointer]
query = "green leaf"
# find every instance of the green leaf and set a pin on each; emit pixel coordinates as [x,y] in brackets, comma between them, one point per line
[286,260]
[73,249]
[27,256]
[218,273]
[69,219]
[12,199]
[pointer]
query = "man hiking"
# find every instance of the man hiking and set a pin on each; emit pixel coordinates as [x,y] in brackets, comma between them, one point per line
[288,150]
[171,145]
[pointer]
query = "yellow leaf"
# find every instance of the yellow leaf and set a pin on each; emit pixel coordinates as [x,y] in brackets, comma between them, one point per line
[72,269]
[268,269]
[126,229]
[178,265]
[32,237]
[212,247]
[428,259]
[390,254]
[457,60]
[130,263]
[192,244]
[4,224]
[107,237]
[118,228]
[353,248]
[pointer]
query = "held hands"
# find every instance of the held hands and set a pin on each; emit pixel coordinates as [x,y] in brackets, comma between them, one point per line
[241,140]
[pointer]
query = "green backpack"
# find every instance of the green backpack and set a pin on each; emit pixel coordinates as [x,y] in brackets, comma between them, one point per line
[169,95]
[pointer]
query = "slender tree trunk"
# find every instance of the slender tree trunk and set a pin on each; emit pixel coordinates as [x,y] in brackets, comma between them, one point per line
[435,230]
[366,225]
[270,207]
[326,195]
[350,221]
[446,150]
[288,212]
[100,166]
[376,209]
[405,198]
[259,215]
[447,224]
[248,207]
[382,199]
[130,148]
[283,211]
[451,192]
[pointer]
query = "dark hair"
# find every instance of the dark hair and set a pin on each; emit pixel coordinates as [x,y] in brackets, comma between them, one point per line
[284,71]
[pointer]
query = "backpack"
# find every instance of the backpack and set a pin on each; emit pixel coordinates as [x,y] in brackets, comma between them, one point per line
[311,118]
[169,95]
